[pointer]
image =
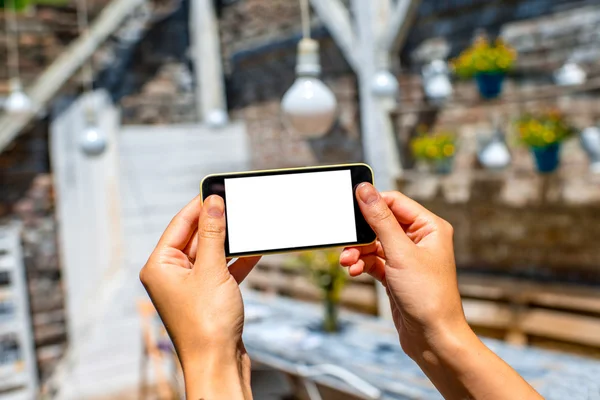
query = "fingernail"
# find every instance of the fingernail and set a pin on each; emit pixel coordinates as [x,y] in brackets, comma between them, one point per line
[344,253]
[215,207]
[367,193]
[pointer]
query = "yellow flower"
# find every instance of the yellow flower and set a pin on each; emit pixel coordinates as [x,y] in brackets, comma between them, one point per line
[448,150]
[549,136]
[534,125]
[432,151]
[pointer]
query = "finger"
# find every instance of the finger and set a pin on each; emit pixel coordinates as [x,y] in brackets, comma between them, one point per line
[371,265]
[380,218]
[406,210]
[182,226]
[357,268]
[210,253]
[242,267]
[375,267]
[417,221]
[192,246]
[350,255]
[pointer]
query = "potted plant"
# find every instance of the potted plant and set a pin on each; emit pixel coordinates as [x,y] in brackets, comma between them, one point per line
[435,150]
[487,63]
[544,133]
[322,268]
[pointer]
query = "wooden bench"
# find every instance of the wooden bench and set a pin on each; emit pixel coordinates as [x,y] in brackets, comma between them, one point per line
[516,310]
[272,277]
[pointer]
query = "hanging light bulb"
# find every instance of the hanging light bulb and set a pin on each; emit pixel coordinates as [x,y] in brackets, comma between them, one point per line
[590,141]
[494,154]
[17,101]
[217,119]
[436,81]
[570,74]
[385,84]
[309,106]
[93,140]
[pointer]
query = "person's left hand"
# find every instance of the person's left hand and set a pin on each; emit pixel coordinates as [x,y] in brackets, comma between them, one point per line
[196,295]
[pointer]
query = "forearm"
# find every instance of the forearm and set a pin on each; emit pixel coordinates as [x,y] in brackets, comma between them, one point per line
[462,367]
[218,374]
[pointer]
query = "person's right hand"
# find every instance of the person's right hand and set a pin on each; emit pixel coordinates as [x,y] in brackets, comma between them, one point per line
[414,258]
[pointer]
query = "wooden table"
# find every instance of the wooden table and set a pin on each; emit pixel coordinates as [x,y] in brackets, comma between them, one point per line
[283,333]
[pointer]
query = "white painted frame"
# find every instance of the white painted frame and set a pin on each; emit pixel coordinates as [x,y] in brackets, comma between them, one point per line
[379,30]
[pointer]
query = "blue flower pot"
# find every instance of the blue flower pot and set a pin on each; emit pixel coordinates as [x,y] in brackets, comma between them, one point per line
[489,84]
[547,158]
[443,166]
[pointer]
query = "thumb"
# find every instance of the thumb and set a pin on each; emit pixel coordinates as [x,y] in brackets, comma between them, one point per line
[210,255]
[379,216]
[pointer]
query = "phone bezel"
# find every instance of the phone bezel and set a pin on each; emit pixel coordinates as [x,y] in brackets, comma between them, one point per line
[215,184]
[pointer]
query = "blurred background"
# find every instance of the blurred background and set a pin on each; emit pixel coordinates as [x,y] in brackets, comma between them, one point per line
[113,111]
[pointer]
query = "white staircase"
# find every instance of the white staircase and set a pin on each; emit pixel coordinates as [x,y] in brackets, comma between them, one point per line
[18,371]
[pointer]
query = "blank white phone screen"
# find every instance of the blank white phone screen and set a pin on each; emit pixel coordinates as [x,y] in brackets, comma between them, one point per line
[289,211]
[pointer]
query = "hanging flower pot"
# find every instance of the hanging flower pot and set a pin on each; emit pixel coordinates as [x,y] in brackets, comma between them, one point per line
[436,150]
[544,134]
[546,158]
[488,63]
[489,84]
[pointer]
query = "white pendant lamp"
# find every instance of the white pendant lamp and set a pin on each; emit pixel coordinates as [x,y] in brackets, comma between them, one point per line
[309,106]
[92,140]
[385,84]
[570,74]
[494,154]
[217,119]
[590,141]
[436,81]
[17,101]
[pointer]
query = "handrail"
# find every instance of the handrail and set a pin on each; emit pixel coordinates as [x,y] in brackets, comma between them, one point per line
[58,73]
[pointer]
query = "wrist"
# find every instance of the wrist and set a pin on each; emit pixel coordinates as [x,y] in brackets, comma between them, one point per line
[443,342]
[217,373]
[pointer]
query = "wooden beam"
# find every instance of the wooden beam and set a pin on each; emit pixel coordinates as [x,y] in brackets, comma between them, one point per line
[398,25]
[206,53]
[336,18]
[58,73]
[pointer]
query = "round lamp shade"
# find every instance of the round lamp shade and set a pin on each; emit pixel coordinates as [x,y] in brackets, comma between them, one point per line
[93,140]
[309,107]
[17,102]
[385,84]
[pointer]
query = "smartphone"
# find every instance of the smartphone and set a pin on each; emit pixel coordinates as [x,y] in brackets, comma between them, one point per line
[283,210]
